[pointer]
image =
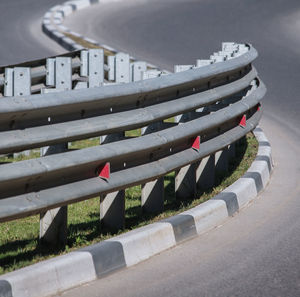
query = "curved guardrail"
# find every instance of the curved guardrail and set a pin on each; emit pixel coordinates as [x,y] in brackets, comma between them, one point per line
[213,105]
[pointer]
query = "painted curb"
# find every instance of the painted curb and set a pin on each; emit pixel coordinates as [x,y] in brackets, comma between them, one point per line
[64,272]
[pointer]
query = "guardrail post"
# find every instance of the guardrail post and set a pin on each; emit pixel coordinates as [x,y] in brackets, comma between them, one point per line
[119,68]
[152,198]
[112,205]
[185,177]
[122,70]
[205,173]
[63,73]
[54,222]
[53,226]
[232,150]
[92,66]
[221,160]
[18,83]
[112,210]
[138,68]
[185,182]
[205,168]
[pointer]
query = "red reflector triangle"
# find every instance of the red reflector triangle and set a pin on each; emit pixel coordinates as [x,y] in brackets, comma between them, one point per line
[258,107]
[196,143]
[243,121]
[104,171]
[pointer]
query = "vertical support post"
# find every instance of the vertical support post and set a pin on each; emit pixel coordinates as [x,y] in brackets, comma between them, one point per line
[112,210]
[185,177]
[53,223]
[17,81]
[92,66]
[22,81]
[205,168]
[63,73]
[122,71]
[221,161]
[138,68]
[152,198]
[205,173]
[96,67]
[185,182]
[112,205]
[231,151]
[53,226]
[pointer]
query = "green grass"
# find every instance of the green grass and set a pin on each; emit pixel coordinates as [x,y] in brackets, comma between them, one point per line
[19,244]
[79,144]
[20,157]
[87,44]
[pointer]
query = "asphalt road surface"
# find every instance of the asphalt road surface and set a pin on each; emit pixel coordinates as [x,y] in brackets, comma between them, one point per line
[21,37]
[257,252]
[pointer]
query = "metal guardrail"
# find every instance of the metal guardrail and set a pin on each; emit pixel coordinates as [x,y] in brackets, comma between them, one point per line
[39,70]
[214,104]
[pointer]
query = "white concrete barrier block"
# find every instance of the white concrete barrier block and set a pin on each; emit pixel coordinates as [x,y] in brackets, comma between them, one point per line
[261,167]
[245,189]
[208,215]
[55,8]
[57,22]
[46,22]
[264,151]
[48,15]
[69,277]
[142,243]
[63,28]
[67,9]
[42,281]
[80,4]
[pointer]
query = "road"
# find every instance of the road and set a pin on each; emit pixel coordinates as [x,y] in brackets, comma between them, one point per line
[257,252]
[21,34]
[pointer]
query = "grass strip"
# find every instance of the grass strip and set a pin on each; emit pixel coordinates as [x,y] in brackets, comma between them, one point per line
[87,44]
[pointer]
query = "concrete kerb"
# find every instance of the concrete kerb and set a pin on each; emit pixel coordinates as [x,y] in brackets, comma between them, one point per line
[64,272]
[53,19]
